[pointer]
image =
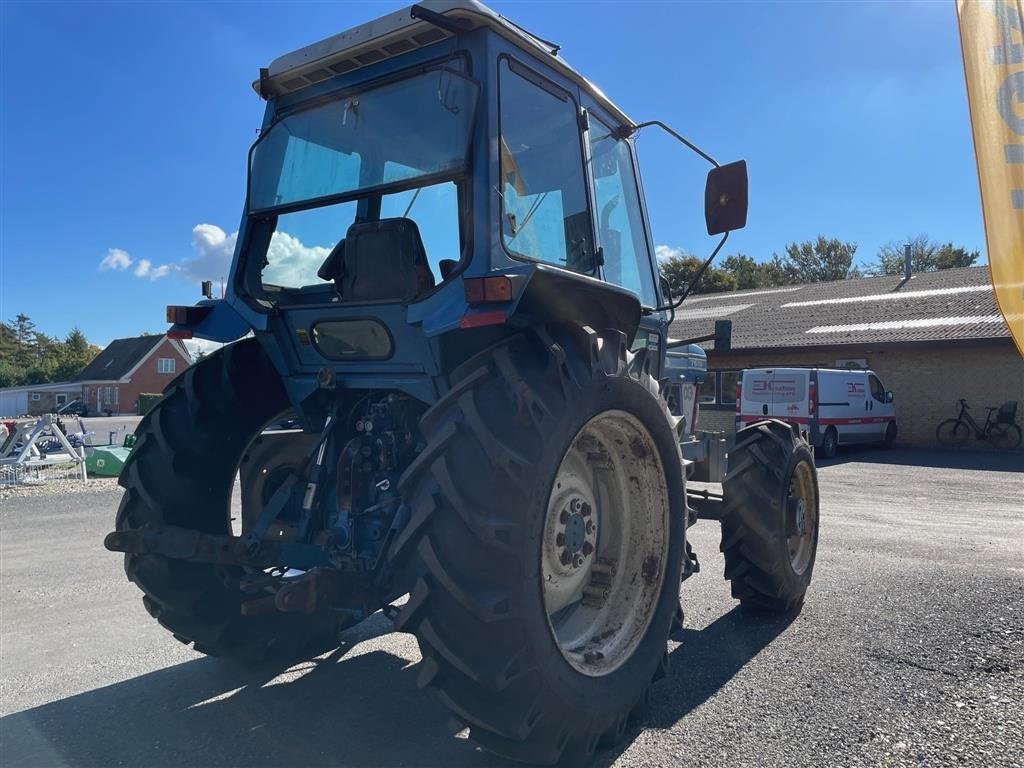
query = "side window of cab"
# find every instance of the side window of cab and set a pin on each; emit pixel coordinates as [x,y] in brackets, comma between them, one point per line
[877,390]
[623,237]
[545,214]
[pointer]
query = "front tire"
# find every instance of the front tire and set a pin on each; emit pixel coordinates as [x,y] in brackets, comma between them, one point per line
[182,472]
[770,519]
[952,432]
[514,455]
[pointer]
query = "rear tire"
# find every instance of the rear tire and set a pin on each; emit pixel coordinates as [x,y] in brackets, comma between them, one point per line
[829,444]
[1005,437]
[770,522]
[481,495]
[952,432]
[182,472]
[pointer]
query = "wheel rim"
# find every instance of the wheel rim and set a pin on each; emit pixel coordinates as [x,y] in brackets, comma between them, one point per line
[831,441]
[605,542]
[802,517]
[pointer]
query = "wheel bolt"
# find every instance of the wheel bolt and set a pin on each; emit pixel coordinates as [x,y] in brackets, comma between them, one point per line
[576,505]
[587,548]
[578,560]
[590,526]
[586,510]
[566,557]
[564,517]
[560,539]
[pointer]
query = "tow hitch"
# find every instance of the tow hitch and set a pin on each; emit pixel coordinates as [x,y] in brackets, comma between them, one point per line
[195,546]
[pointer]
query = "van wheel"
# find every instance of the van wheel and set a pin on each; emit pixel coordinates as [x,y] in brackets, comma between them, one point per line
[829,444]
[890,435]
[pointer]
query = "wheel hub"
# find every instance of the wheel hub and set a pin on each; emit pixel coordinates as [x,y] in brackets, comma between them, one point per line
[576,533]
[604,543]
[798,516]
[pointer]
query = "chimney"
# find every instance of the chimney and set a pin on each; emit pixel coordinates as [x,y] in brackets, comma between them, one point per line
[908,268]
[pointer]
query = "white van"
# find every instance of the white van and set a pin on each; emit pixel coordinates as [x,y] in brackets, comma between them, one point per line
[833,406]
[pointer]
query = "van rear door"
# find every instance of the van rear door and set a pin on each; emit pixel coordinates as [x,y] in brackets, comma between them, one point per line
[755,395]
[789,395]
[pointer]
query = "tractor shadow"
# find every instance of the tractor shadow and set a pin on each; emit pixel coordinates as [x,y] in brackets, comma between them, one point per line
[360,710]
[339,710]
[700,666]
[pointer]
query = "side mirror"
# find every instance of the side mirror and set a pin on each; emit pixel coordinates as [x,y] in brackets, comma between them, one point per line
[725,198]
[888,396]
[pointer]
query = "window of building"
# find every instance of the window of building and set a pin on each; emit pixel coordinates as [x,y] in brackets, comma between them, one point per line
[727,382]
[61,400]
[544,210]
[165,365]
[35,397]
[706,389]
[719,389]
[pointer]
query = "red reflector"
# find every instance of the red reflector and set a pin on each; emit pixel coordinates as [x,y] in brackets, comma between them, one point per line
[183,333]
[497,317]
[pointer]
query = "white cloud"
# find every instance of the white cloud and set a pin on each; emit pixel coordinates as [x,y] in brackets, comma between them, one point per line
[116,259]
[665,252]
[290,262]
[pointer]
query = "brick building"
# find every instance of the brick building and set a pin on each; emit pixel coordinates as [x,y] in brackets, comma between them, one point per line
[127,368]
[931,339]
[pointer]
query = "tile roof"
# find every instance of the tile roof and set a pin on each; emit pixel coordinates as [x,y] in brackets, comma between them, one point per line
[120,356]
[948,305]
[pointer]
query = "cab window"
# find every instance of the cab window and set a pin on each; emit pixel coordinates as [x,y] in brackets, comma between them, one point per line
[877,390]
[621,227]
[544,210]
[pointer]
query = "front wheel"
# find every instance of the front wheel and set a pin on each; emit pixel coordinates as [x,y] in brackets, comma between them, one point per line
[890,435]
[952,432]
[1005,437]
[770,522]
[548,524]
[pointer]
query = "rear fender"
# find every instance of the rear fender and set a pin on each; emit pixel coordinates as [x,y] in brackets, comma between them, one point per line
[555,295]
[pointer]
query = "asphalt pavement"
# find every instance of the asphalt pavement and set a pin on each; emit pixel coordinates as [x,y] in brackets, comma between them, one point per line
[909,650]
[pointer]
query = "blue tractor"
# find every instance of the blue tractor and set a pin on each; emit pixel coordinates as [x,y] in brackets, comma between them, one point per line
[445,380]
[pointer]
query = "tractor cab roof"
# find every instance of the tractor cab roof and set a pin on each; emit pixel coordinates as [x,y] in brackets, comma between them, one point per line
[400,32]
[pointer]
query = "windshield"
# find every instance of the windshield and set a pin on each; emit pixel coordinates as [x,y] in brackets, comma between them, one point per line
[398,132]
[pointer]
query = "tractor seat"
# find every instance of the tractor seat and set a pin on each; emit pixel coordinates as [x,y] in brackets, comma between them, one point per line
[378,261]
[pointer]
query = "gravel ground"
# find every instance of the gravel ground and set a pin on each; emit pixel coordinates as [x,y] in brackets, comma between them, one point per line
[909,651]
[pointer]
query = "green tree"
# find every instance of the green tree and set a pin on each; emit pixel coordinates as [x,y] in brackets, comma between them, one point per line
[748,273]
[28,356]
[680,269]
[815,261]
[925,256]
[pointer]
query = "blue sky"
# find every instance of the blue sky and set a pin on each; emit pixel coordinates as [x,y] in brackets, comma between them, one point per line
[125,129]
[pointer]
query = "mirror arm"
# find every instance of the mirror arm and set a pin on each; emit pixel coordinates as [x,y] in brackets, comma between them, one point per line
[673,305]
[625,131]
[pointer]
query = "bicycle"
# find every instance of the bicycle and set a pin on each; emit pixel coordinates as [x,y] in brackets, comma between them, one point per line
[1001,431]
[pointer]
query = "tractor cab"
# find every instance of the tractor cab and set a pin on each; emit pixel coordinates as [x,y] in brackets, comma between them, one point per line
[420,182]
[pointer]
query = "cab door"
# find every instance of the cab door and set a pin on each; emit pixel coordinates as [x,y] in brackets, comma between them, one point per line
[882,412]
[620,220]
